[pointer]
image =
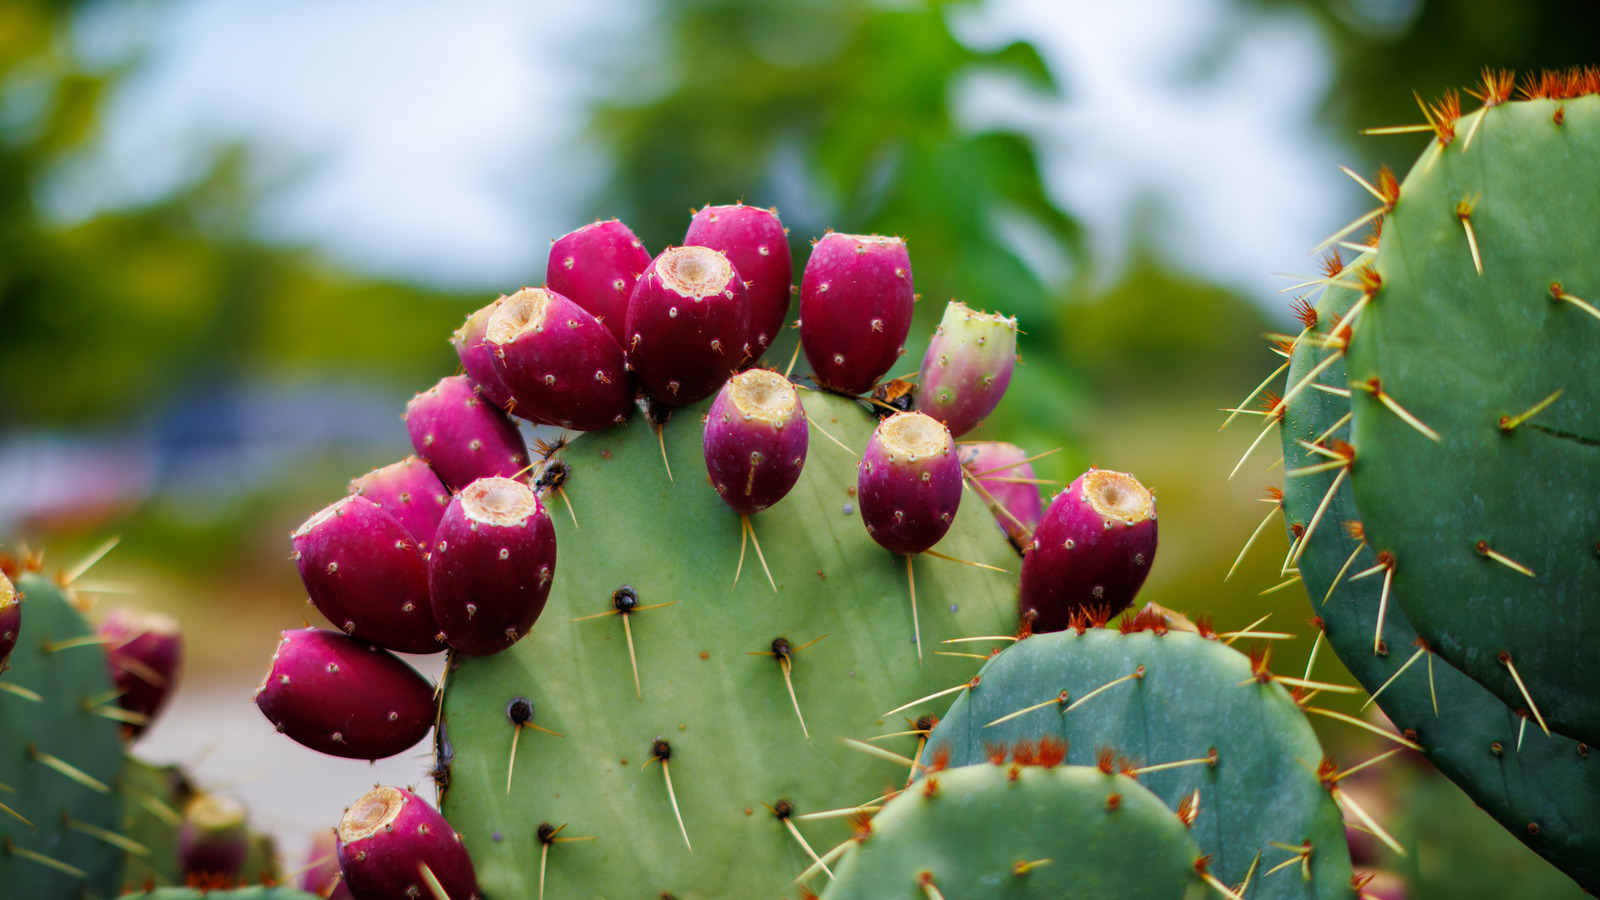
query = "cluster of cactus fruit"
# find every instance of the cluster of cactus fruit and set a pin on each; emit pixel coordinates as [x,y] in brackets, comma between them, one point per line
[733,724]
[1440,424]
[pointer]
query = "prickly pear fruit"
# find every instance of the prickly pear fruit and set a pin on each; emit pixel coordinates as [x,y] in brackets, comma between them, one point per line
[909,483]
[1002,477]
[10,621]
[462,435]
[321,875]
[387,839]
[756,439]
[490,565]
[758,246]
[1091,551]
[212,841]
[596,267]
[855,309]
[144,651]
[967,367]
[688,325]
[344,697]
[468,341]
[409,491]
[365,572]
[562,366]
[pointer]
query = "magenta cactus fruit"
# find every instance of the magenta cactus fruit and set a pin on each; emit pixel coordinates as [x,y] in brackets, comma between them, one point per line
[386,839]
[562,366]
[10,620]
[967,367]
[144,651]
[490,565]
[468,341]
[367,574]
[321,869]
[596,267]
[213,840]
[755,441]
[409,491]
[462,435]
[758,246]
[909,483]
[1002,476]
[344,697]
[855,309]
[1091,552]
[688,323]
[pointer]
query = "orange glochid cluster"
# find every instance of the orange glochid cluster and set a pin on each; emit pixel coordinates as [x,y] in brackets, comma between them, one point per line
[1561,84]
[1305,312]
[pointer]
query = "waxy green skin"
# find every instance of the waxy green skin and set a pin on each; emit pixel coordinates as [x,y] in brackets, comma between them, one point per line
[1459,351]
[1546,781]
[68,680]
[1196,694]
[970,834]
[736,742]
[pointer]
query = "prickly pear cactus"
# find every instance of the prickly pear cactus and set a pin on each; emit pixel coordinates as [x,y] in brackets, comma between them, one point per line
[717,723]
[1543,790]
[153,801]
[59,757]
[1186,714]
[244,893]
[1476,398]
[1030,832]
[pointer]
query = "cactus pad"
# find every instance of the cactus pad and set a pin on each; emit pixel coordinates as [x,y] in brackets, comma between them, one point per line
[1171,697]
[988,832]
[59,757]
[1481,304]
[708,685]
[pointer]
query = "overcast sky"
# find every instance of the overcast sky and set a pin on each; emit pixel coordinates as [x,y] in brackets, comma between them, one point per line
[442,142]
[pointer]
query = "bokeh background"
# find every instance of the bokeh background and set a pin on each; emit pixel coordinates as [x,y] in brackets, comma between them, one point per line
[234,237]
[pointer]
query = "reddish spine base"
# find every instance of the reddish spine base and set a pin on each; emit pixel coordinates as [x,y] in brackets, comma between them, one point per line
[367,575]
[855,309]
[212,841]
[688,323]
[490,566]
[468,341]
[345,697]
[1091,552]
[758,246]
[144,653]
[755,454]
[909,483]
[461,435]
[385,839]
[997,461]
[409,491]
[10,620]
[561,365]
[596,267]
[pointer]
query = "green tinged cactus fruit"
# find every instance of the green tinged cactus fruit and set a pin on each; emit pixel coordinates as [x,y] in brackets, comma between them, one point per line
[686,754]
[213,840]
[244,893]
[1023,832]
[1476,397]
[967,367]
[1184,713]
[59,757]
[1543,790]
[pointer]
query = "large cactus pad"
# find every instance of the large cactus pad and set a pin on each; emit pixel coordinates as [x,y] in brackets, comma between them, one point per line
[1494,531]
[735,739]
[1249,750]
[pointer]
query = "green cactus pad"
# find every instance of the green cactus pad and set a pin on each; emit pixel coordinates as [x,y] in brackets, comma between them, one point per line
[1458,351]
[1552,783]
[735,739]
[153,802]
[63,853]
[1196,695]
[1087,834]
